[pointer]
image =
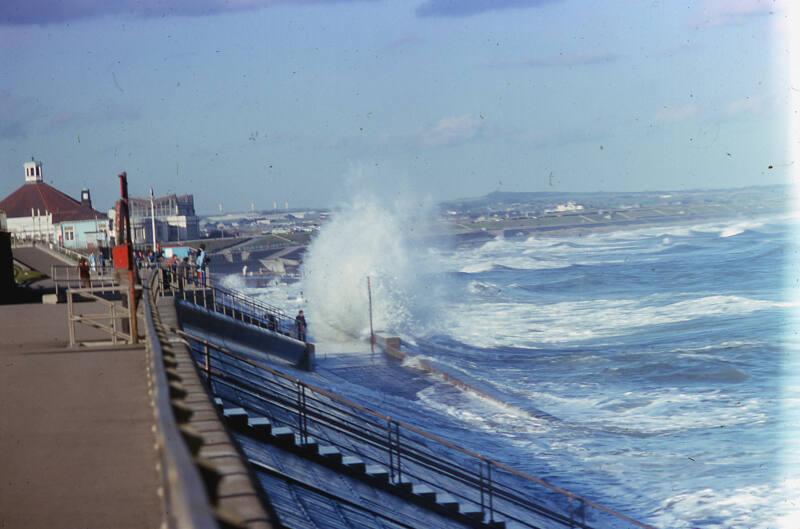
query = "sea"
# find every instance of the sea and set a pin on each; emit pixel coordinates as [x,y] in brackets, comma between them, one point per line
[644,367]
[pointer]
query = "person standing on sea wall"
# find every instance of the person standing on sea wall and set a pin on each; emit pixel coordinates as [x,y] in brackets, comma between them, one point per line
[300,324]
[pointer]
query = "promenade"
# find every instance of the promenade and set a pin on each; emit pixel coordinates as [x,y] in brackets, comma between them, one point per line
[77,448]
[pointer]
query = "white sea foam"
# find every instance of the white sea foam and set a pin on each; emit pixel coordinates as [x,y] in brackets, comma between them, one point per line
[369,238]
[710,508]
[491,325]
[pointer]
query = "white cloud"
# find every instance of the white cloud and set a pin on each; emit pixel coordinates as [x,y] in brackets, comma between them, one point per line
[675,113]
[746,105]
[713,13]
[451,130]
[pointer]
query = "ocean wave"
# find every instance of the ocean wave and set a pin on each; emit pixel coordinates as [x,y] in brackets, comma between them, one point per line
[733,507]
[507,324]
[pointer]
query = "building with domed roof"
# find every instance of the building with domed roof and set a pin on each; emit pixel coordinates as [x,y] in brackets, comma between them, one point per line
[40,212]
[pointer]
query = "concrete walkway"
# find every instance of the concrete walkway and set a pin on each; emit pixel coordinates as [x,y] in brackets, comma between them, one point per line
[40,260]
[76,445]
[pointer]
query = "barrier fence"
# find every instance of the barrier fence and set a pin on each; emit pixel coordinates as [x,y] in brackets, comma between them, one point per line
[68,276]
[193,285]
[410,454]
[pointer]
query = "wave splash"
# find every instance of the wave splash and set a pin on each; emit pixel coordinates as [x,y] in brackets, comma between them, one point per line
[379,240]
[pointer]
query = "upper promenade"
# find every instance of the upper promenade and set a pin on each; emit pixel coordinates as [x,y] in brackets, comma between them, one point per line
[77,447]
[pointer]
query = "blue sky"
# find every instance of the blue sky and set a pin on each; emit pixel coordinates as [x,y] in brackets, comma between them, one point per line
[306,101]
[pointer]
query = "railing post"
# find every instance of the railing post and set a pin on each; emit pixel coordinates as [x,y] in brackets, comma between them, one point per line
[489,491]
[71,319]
[114,324]
[207,357]
[399,461]
[480,485]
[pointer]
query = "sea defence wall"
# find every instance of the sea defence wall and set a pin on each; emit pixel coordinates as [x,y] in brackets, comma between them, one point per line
[206,484]
[392,346]
[243,336]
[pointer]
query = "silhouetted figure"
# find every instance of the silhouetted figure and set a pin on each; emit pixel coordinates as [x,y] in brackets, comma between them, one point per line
[300,325]
[272,323]
[83,273]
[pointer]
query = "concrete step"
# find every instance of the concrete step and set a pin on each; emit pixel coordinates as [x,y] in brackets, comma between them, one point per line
[471,512]
[354,464]
[236,418]
[423,492]
[377,473]
[447,502]
[283,435]
[404,484]
[307,445]
[260,426]
[330,453]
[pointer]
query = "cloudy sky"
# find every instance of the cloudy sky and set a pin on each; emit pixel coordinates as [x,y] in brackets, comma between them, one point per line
[241,101]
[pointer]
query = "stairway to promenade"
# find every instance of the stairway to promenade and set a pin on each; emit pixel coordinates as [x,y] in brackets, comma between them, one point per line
[76,440]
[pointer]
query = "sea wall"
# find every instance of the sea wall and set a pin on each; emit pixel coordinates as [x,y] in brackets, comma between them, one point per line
[241,336]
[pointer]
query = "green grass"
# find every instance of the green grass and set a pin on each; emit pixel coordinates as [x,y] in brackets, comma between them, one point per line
[23,277]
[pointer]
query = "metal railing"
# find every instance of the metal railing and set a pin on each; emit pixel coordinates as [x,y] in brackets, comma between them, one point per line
[188,284]
[67,252]
[109,322]
[185,498]
[67,276]
[410,454]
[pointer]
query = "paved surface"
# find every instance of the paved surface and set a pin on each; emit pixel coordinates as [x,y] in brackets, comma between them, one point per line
[39,259]
[76,446]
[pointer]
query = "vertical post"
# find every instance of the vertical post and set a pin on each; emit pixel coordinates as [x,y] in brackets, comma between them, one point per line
[207,358]
[114,324]
[491,496]
[371,331]
[153,217]
[71,319]
[480,481]
[397,440]
[391,450]
[134,328]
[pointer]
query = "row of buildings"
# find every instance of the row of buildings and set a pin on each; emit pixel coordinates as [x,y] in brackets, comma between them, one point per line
[37,211]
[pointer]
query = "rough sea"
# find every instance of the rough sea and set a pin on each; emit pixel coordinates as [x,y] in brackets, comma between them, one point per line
[643,367]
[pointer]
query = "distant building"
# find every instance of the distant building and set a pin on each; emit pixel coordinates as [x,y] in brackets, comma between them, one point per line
[39,211]
[175,219]
[564,208]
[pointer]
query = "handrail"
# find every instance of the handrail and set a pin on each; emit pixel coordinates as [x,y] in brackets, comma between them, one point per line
[223,300]
[411,452]
[185,498]
[94,320]
[66,276]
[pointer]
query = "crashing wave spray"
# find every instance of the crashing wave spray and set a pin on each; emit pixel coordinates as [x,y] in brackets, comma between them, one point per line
[369,238]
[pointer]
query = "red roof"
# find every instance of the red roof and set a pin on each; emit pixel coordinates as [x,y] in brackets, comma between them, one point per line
[44,197]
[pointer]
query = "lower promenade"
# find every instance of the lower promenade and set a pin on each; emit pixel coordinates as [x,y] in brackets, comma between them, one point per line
[77,447]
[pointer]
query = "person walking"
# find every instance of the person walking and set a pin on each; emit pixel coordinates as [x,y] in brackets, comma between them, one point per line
[300,324]
[84,274]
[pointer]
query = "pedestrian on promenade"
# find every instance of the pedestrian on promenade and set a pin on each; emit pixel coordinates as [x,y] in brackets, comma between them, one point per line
[300,324]
[182,272]
[83,273]
[202,264]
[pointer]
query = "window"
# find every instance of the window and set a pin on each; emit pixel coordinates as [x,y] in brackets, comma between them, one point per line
[69,233]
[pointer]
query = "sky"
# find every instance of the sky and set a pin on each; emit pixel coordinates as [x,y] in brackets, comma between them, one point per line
[250,102]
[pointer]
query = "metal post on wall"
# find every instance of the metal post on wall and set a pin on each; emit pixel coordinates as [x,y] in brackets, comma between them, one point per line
[371,331]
